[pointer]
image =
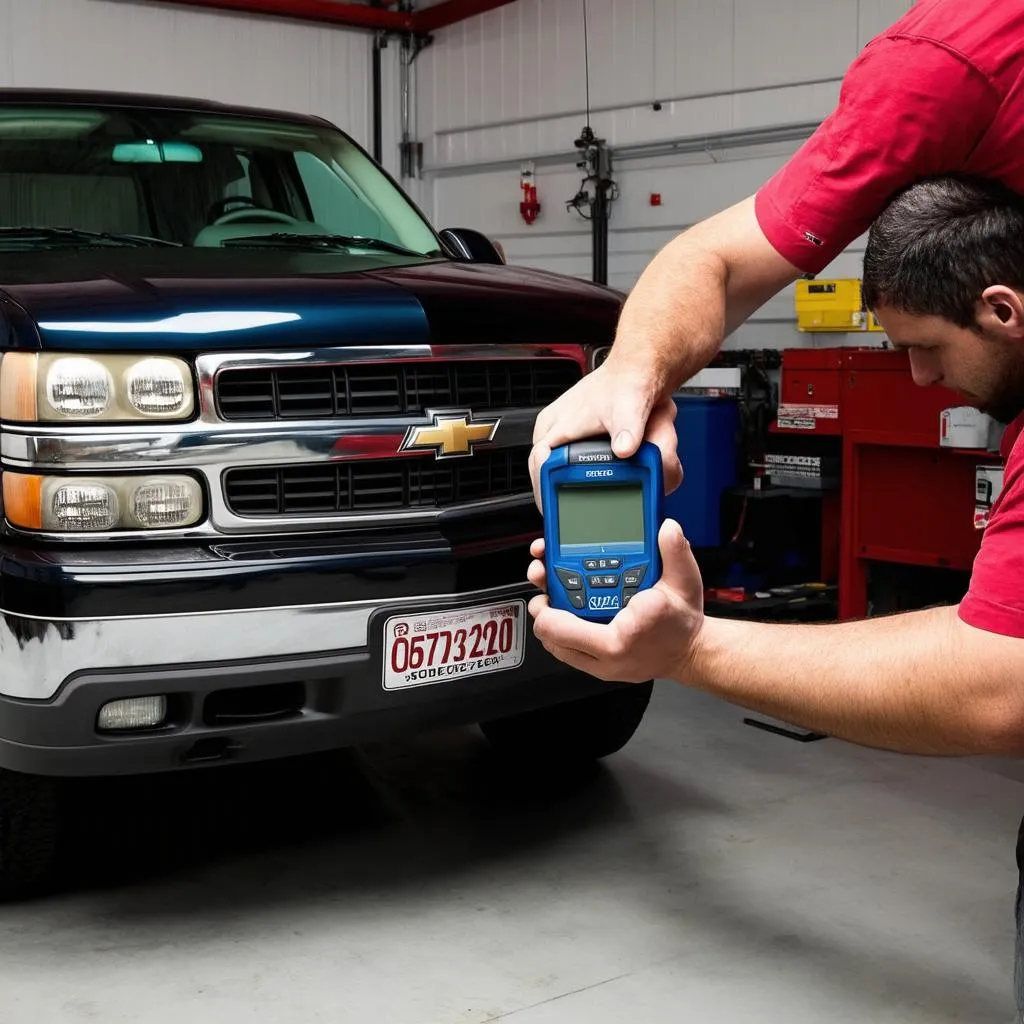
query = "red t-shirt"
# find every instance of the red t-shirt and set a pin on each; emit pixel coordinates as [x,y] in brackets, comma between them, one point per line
[940,91]
[995,598]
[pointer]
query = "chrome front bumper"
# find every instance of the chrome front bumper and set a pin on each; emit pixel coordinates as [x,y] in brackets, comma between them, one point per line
[38,656]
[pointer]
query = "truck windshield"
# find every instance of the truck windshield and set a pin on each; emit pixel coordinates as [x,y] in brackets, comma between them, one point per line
[195,179]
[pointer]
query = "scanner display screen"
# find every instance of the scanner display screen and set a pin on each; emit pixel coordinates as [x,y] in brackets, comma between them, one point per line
[602,518]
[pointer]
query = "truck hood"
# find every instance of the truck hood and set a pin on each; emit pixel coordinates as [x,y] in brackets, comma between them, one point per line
[192,299]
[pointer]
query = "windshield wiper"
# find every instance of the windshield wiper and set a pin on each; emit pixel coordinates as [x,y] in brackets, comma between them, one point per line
[285,238]
[30,233]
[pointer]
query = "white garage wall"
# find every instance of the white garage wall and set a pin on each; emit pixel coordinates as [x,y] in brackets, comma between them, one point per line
[151,47]
[509,86]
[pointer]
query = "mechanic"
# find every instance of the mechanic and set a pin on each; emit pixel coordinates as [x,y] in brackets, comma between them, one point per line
[939,94]
[944,274]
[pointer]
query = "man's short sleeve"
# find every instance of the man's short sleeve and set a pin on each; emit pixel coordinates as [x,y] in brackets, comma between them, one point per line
[908,107]
[995,597]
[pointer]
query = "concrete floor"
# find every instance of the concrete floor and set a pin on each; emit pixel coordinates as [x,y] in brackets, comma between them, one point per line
[708,873]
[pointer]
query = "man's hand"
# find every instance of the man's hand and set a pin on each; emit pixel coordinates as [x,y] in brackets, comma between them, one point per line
[624,405]
[651,638]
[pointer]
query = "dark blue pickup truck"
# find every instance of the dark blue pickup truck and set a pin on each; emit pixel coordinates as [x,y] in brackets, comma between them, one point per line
[263,442]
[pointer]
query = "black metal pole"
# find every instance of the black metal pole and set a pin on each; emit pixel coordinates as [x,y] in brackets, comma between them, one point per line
[599,214]
[378,114]
[599,231]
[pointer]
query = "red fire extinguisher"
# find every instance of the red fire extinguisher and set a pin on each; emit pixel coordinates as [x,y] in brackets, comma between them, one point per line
[529,207]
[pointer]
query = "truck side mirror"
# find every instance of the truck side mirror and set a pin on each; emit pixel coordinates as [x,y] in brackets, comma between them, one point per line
[471,246]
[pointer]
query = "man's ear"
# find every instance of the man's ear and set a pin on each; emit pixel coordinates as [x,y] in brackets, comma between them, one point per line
[1001,311]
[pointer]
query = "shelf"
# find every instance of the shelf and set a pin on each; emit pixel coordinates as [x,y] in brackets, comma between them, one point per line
[805,602]
[779,492]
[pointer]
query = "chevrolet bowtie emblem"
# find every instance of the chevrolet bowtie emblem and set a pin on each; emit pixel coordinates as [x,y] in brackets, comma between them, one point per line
[451,434]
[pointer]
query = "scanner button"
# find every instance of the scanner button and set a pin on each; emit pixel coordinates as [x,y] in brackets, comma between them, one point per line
[607,563]
[627,593]
[577,599]
[634,577]
[570,580]
[590,564]
[604,581]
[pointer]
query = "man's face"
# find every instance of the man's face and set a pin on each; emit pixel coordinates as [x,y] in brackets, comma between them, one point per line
[986,368]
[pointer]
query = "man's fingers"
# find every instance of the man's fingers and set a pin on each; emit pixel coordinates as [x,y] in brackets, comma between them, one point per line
[679,569]
[553,641]
[537,575]
[577,660]
[563,629]
[628,421]
[538,456]
[547,416]
[661,431]
[537,548]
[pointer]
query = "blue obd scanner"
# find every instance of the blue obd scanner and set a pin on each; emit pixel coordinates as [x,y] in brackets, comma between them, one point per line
[601,520]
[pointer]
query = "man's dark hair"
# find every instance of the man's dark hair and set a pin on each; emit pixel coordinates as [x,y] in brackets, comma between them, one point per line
[940,242]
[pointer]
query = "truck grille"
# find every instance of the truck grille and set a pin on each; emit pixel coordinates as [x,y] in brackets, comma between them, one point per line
[376,484]
[390,389]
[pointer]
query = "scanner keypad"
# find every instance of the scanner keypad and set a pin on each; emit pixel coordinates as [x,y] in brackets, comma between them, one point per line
[570,580]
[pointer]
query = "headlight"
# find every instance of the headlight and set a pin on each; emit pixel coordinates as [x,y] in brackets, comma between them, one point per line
[52,387]
[79,506]
[78,387]
[156,387]
[62,504]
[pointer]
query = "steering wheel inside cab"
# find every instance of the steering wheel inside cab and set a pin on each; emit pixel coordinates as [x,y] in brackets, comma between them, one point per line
[256,219]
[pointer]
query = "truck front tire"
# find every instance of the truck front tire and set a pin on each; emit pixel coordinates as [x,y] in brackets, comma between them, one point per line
[573,732]
[29,817]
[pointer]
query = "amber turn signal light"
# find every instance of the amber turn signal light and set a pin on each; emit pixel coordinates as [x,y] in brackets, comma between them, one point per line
[23,500]
[18,387]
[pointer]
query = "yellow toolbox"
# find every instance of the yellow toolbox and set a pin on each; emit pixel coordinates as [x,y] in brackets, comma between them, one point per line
[832,305]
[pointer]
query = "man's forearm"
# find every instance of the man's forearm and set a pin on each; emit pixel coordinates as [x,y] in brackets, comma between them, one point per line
[906,682]
[673,322]
[696,291]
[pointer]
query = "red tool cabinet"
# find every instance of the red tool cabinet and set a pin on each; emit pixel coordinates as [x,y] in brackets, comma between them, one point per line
[903,497]
[810,391]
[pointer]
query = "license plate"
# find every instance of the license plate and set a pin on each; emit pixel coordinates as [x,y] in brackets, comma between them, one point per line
[438,647]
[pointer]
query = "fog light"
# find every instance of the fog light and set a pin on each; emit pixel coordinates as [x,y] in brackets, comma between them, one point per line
[167,501]
[87,506]
[133,713]
[82,505]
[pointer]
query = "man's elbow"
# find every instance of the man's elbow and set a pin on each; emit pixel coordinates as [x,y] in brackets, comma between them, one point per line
[985,690]
[997,726]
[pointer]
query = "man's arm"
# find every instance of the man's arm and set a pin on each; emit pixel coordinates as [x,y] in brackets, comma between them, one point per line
[908,107]
[698,289]
[695,292]
[920,682]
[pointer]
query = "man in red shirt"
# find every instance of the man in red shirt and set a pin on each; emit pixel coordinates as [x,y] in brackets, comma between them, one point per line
[940,93]
[944,273]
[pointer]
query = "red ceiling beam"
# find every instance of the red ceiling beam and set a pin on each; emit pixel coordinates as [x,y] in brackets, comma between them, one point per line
[452,11]
[324,11]
[358,15]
